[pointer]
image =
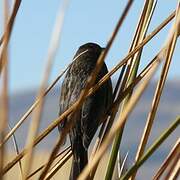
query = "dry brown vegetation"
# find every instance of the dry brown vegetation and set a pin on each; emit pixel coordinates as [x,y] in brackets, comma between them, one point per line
[126,97]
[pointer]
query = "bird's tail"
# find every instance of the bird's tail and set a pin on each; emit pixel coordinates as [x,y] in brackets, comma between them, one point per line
[80,159]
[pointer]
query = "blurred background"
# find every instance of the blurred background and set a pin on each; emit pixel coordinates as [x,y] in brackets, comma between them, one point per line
[88,21]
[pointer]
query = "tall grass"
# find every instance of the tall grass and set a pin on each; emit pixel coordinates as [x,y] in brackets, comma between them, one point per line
[127,92]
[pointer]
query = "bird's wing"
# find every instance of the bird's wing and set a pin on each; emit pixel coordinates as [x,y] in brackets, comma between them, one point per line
[66,96]
[89,121]
[70,92]
[94,108]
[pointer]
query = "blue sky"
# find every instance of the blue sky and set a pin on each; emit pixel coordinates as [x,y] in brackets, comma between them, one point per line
[85,21]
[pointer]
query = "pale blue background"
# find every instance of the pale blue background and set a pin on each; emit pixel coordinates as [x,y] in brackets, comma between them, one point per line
[85,21]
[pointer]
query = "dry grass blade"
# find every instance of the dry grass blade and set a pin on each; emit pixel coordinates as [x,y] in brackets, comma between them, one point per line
[174,151]
[62,153]
[139,36]
[4,107]
[131,48]
[37,114]
[107,76]
[51,158]
[17,151]
[119,123]
[58,165]
[140,32]
[170,45]
[174,170]
[136,81]
[122,164]
[7,33]
[12,19]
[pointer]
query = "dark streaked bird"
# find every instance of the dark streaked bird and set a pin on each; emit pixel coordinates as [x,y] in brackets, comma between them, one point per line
[87,119]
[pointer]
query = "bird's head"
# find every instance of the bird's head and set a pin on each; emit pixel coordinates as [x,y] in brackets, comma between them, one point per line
[90,49]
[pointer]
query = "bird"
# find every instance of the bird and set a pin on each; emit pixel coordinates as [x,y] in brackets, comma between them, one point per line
[88,117]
